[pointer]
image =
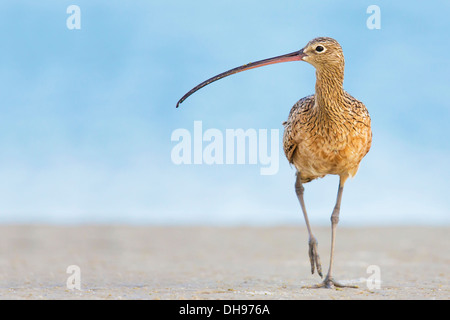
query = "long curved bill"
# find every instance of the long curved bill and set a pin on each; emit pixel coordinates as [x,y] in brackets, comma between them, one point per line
[294,56]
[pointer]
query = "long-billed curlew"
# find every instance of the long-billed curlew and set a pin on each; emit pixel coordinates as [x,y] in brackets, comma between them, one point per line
[326,133]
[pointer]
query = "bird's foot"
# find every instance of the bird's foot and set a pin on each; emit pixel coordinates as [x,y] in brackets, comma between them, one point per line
[314,256]
[330,283]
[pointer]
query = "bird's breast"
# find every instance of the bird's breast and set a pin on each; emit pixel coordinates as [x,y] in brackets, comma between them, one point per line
[331,148]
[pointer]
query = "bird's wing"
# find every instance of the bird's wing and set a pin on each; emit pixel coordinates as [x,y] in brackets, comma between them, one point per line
[295,122]
[361,122]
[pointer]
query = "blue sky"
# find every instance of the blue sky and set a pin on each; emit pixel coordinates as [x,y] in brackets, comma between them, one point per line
[87,115]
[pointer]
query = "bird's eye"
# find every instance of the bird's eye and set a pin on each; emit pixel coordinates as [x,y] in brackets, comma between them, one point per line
[319,48]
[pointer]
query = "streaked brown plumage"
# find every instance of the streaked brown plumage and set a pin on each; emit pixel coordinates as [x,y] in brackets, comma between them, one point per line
[326,133]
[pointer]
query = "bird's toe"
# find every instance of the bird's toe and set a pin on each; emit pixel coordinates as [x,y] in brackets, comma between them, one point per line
[314,257]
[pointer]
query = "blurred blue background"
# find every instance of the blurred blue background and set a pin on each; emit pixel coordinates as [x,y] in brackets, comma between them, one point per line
[87,115]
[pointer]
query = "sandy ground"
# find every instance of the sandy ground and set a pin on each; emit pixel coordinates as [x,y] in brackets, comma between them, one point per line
[126,262]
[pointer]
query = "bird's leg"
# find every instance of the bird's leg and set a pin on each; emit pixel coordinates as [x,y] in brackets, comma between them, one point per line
[313,254]
[329,282]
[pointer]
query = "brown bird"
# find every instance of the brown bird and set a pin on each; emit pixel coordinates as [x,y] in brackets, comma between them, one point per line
[328,132]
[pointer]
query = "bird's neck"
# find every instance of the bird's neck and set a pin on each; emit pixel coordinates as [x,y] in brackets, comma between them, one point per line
[329,88]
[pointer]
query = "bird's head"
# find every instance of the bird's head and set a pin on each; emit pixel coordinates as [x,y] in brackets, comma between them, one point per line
[323,51]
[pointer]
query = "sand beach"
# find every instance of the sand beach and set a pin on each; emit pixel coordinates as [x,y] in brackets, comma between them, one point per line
[154,262]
